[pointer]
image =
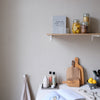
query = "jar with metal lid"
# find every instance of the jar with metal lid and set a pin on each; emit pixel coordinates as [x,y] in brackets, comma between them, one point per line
[84,27]
[76,26]
[86,17]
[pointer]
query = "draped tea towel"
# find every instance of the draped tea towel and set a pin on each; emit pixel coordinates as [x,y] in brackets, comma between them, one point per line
[25,93]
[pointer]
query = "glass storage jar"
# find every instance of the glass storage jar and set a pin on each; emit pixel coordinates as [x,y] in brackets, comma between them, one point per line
[84,27]
[86,17]
[76,26]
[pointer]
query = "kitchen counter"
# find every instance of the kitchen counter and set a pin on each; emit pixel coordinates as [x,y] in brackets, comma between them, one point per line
[84,90]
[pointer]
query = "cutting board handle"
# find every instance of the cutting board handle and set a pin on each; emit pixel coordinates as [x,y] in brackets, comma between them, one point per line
[76,60]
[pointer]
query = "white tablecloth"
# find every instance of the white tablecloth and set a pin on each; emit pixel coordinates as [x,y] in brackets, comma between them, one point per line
[85,91]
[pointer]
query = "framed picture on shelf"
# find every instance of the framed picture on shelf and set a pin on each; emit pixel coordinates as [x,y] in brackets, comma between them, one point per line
[59,24]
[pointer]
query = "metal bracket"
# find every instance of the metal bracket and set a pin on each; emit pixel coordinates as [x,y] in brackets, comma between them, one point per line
[50,37]
[92,36]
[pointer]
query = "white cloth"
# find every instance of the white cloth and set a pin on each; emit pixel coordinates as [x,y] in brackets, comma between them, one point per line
[25,93]
[53,96]
[88,95]
[68,94]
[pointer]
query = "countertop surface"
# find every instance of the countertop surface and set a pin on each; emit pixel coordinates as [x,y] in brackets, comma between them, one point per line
[84,90]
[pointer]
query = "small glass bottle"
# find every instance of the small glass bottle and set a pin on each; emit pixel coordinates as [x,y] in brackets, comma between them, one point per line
[76,26]
[50,78]
[54,79]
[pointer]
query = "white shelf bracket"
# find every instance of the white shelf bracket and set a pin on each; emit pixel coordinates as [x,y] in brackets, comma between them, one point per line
[50,37]
[92,37]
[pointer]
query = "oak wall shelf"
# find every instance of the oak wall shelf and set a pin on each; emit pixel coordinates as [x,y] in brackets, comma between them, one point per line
[71,34]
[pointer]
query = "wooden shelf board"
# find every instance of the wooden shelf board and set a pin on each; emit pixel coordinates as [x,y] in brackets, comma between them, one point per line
[71,34]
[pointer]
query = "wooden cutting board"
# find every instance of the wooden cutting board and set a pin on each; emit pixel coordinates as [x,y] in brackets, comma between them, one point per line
[75,75]
[81,70]
[72,83]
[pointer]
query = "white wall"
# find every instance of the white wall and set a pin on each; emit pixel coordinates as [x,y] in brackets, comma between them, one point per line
[25,48]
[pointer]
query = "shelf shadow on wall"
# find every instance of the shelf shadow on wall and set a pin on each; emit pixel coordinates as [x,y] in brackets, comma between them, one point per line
[94,25]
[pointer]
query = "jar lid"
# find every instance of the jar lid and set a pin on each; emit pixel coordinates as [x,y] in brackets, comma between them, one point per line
[84,23]
[76,21]
[50,72]
[86,15]
[53,73]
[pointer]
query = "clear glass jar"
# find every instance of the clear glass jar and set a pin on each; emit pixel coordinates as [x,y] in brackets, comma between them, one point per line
[86,17]
[84,27]
[76,26]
